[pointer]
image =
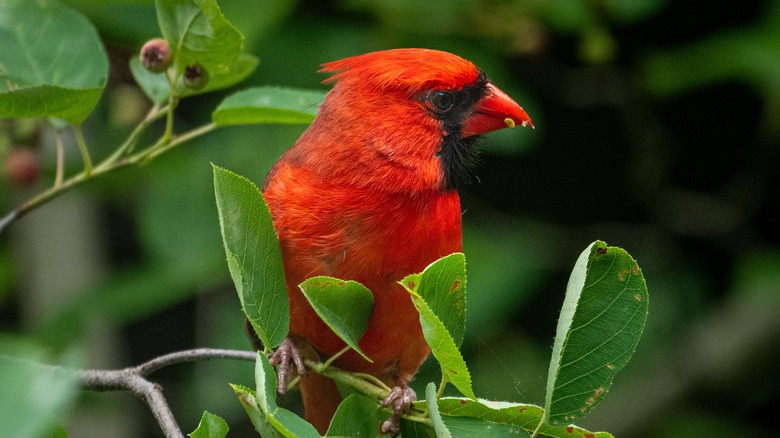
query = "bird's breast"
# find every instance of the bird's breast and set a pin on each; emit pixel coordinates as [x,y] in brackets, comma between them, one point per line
[374,237]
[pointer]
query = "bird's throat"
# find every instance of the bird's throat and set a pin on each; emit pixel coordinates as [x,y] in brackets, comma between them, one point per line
[458,157]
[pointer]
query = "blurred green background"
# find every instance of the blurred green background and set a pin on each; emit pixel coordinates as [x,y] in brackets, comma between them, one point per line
[657,130]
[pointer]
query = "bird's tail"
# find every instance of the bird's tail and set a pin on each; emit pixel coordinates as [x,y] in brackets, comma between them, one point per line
[320,399]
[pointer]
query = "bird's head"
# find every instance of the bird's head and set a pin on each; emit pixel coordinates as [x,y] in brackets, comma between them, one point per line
[417,109]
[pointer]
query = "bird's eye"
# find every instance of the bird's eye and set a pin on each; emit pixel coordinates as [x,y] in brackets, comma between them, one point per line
[442,101]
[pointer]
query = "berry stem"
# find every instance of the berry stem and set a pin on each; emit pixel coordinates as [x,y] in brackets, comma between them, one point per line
[58,177]
[163,147]
[441,387]
[113,162]
[84,151]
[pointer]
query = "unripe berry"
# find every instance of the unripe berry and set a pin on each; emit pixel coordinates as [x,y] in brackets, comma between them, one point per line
[195,76]
[156,55]
[21,167]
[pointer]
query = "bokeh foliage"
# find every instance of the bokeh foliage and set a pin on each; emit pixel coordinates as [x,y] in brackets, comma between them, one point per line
[656,131]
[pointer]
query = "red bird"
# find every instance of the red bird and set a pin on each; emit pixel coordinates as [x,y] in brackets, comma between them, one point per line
[368,193]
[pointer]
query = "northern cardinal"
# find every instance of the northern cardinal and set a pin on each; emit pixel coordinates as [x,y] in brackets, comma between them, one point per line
[369,193]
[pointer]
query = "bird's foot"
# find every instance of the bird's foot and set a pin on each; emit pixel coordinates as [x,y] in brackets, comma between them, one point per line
[400,398]
[286,353]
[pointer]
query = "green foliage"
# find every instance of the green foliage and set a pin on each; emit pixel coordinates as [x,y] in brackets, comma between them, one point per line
[53,64]
[432,403]
[33,393]
[283,421]
[250,403]
[268,105]
[600,325]
[199,33]
[444,283]
[269,419]
[345,306]
[751,56]
[471,427]
[253,255]
[447,274]
[526,416]
[210,426]
[158,89]
[59,432]
[357,416]
[601,321]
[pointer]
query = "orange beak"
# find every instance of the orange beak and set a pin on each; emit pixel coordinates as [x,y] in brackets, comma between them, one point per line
[495,111]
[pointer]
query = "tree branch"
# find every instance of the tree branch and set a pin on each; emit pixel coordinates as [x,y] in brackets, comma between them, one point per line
[198,354]
[133,379]
[128,380]
[118,159]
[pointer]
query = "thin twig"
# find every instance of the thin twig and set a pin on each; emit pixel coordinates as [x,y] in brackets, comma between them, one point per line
[113,162]
[127,147]
[133,379]
[363,386]
[8,219]
[127,380]
[84,151]
[172,102]
[179,139]
[60,159]
[197,354]
[325,365]
[444,381]
[373,379]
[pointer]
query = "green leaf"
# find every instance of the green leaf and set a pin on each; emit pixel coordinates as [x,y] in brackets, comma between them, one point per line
[285,422]
[442,344]
[444,349]
[228,76]
[157,88]
[356,417]
[262,105]
[59,432]
[470,427]
[433,411]
[249,402]
[414,429]
[155,85]
[198,32]
[748,54]
[52,63]
[443,286]
[33,395]
[253,254]
[602,319]
[523,415]
[465,426]
[345,306]
[210,426]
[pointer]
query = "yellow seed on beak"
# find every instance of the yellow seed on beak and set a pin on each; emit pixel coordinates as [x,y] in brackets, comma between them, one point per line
[509,123]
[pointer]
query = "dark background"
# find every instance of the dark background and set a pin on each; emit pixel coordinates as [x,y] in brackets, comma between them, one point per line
[657,130]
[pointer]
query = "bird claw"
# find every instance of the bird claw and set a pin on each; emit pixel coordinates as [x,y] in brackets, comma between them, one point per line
[401,398]
[282,356]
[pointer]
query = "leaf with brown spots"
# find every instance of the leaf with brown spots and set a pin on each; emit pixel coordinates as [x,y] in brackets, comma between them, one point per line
[439,295]
[521,415]
[601,321]
[443,286]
